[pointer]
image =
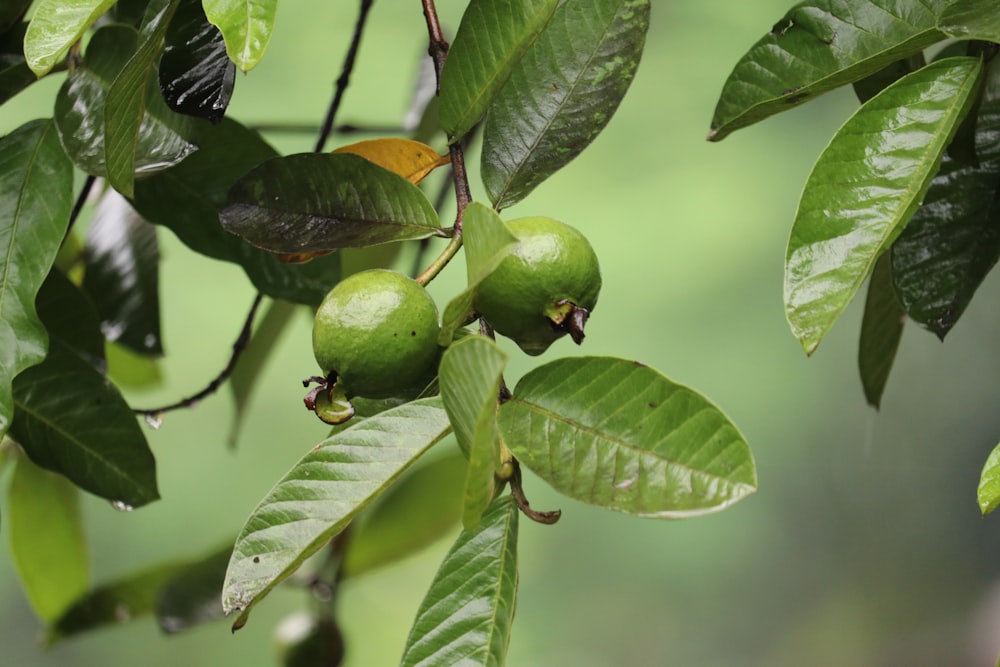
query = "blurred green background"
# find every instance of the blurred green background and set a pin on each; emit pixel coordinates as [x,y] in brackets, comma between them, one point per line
[864,544]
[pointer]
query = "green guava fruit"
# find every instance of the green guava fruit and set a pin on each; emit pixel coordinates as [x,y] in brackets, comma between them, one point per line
[375,335]
[545,288]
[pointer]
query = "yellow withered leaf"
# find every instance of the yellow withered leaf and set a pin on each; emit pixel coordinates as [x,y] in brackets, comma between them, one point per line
[300,257]
[410,159]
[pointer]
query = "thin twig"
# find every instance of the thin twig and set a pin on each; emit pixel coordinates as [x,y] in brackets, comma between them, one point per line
[345,75]
[517,491]
[213,386]
[81,199]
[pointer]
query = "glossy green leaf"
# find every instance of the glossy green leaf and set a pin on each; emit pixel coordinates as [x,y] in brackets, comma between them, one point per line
[47,543]
[971,19]
[246,26]
[15,75]
[487,241]
[313,202]
[36,195]
[11,13]
[618,434]
[988,493]
[817,46]
[187,197]
[470,374]
[55,26]
[69,418]
[125,105]
[251,363]
[865,187]
[953,239]
[322,493]
[466,617]
[80,110]
[492,38]
[114,603]
[190,596]
[122,260]
[196,75]
[561,94]
[881,331]
[413,513]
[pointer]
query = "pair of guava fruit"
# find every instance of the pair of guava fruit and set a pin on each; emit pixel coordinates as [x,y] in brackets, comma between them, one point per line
[376,332]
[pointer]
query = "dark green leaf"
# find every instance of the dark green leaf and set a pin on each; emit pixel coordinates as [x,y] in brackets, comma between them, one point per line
[865,187]
[820,45]
[953,239]
[125,104]
[487,241]
[71,318]
[413,513]
[114,603]
[190,596]
[313,202]
[47,543]
[251,363]
[470,374]
[873,84]
[492,38]
[55,25]
[322,493]
[881,331]
[466,617]
[15,75]
[36,196]
[561,94]
[11,12]
[80,109]
[122,260]
[618,434]
[129,12]
[196,75]
[246,26]
[989,483]
[971,19]
[187,197]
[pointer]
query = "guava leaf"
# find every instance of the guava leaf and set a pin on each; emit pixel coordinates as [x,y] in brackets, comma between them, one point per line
[865,187]
[989,483]
[413,513]
[817,46]
[410,159]
[246,26]
[491,39]
[11,12]
[68,418]
[971,19]
[122,260]
[466,616]
[47,543]
[313,202]
[125,104]
[187,197]
[470,375]
[190,596]
[36,181]
[881,331]
[114,603]
[619,435]
[15,75]
[953,239]
[196,75]
[487,241]
[561,94]
[55,26]
[80,110]
[322,493]
[251,363]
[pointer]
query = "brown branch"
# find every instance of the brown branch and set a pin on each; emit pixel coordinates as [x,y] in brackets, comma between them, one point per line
[81,199]
[517,491]
[345,75]
[213,386]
